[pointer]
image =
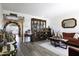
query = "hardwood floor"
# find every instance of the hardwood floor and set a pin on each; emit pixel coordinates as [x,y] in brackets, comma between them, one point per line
[33,49]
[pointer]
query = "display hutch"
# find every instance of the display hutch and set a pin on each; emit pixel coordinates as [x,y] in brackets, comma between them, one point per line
[38,27]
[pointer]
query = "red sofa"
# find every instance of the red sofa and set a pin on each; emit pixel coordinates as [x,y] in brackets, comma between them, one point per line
[71,40]
[73,51]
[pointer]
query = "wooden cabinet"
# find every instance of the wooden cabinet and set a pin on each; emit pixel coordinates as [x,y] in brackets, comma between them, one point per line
[37,24]
[38,29]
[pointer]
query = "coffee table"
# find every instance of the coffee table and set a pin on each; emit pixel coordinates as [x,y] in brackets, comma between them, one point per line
[64,43]
[56,41]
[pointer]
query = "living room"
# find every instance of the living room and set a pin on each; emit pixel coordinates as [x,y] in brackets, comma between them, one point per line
[56,18]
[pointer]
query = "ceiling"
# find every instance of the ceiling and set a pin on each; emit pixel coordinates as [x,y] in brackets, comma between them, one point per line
[36,9]
[47,10]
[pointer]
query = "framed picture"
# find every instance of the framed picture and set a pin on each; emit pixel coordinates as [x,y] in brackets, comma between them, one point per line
[69,23]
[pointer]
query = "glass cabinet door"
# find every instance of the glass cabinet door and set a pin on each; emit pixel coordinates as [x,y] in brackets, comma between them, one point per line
[44,24]
[38,25]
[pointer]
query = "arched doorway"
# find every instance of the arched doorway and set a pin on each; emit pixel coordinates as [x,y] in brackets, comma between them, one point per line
[19,22]
[15,24]
[19,33]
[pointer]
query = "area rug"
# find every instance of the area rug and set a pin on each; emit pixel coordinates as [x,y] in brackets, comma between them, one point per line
[58,50]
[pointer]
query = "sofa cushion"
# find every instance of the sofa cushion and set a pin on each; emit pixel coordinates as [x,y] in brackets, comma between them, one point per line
[76,36]
[76,44]
[74,40]
[68,35]
[71,40]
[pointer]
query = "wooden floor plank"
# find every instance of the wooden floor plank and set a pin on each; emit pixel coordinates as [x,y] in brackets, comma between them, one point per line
[33,49]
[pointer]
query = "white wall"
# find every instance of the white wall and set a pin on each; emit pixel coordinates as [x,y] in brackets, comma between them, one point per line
[54,15]
[1,17]
[27,18]
[64,11]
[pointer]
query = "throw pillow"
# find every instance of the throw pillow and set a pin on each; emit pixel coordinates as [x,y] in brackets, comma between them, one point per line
[59,34]
[76,36]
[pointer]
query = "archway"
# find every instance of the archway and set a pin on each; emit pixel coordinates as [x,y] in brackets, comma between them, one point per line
[19,22]
[13,23]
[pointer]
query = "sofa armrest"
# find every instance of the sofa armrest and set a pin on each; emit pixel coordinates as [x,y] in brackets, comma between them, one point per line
[74,40]
[73,51]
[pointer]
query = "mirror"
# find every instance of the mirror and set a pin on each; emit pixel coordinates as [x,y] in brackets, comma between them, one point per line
[69,23]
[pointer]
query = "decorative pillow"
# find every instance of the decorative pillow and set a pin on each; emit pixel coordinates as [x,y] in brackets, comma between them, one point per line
[55,33]
[59,34]
[76,36]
